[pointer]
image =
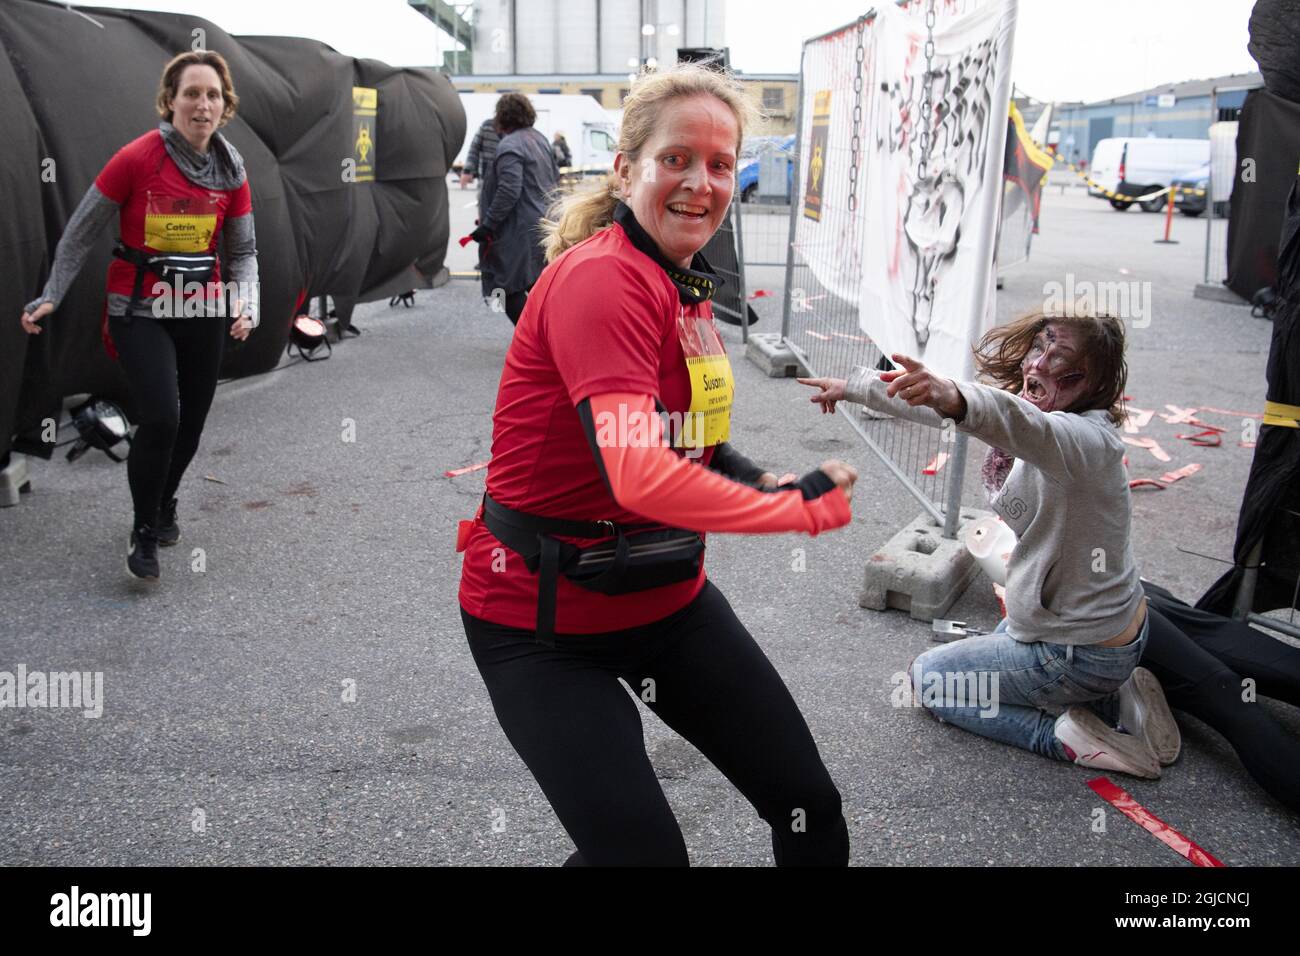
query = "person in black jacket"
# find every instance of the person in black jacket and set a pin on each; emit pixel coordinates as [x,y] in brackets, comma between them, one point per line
[560,147]
[513,201]
[482,150]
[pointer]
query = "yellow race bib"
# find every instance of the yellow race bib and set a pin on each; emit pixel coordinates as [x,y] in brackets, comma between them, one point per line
[174,224]
[708,421]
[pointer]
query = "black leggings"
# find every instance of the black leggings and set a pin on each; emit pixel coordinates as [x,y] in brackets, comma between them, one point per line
[171,366]
[1195,674]
[702,674]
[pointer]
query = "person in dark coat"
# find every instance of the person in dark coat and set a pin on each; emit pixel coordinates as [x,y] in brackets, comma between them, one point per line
[514,200]
[482,150]
[560,147]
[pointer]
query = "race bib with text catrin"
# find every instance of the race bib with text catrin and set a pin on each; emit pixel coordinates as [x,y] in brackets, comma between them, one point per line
[180,224]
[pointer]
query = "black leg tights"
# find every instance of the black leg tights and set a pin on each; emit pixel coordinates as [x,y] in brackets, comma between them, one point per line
[171,366]
[1196,681]
[701,672]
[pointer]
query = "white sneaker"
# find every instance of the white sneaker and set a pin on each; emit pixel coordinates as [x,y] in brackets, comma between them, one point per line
[1144,712]
[1090,743]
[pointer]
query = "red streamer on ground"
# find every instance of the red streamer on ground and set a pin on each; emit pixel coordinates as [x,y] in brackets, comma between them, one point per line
[759,294]
[936,464]
[1184,472]
[1148,821]
[1225,411]
[457,472]
[1210,438]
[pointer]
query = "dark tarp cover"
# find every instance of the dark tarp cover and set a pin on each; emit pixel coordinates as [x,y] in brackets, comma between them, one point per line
[1203,661]
[1275,45]
[75,88]
[1268,134]
[1270,507]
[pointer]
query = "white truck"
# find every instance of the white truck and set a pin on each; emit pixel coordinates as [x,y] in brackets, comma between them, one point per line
[1138,166]
[586,125]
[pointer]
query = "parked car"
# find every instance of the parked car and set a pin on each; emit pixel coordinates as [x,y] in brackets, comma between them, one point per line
[1192,204]
[750,154]
[1133,166]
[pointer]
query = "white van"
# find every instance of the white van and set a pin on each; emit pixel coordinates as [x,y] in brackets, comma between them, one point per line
[1135,166]
[586,126]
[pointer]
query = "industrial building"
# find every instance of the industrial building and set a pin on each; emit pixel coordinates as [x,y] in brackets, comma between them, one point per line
[592,47]
[1176,110]
[542,37]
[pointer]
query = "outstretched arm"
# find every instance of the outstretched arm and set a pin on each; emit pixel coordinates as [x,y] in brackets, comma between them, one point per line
[1058,443]
[645,477]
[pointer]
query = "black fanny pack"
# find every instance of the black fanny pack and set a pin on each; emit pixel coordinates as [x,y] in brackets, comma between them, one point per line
[634,558]
[187,266]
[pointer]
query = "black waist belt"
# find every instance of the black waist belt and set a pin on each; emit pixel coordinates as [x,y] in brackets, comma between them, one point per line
[658,556]
[190,266]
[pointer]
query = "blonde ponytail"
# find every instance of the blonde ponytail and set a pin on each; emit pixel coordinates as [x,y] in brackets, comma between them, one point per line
[580,215]
[584,212]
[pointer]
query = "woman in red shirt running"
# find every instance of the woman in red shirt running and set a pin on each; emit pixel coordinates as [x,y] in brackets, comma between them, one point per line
[172,190]
[609,457]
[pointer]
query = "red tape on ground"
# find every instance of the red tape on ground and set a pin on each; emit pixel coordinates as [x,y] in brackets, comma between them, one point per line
[457,472]
[1148,821]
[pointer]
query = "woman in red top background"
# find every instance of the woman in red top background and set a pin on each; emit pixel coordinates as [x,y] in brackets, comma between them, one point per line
[176,191]
[619,321]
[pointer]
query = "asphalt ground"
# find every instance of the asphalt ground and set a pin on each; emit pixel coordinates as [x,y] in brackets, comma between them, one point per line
[308,697]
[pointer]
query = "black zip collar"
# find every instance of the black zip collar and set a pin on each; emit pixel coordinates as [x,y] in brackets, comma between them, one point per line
[699,283]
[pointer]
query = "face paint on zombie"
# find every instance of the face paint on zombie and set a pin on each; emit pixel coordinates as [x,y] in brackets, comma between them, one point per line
[1055,375]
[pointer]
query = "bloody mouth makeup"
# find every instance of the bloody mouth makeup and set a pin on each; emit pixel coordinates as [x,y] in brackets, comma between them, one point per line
[1055,376]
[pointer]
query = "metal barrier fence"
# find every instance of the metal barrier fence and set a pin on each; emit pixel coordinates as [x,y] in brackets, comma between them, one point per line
[766,233]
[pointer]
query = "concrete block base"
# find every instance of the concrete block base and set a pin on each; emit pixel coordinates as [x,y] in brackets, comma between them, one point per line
[1216,292]
[776,360]
[14,481]
[919,570]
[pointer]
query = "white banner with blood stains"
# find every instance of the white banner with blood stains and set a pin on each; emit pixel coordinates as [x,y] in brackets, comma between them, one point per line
[910,244]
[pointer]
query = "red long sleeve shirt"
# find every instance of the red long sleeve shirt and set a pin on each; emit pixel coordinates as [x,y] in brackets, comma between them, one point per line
[601,324]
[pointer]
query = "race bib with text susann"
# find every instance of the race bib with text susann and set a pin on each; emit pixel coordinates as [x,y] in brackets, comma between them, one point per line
[708,421]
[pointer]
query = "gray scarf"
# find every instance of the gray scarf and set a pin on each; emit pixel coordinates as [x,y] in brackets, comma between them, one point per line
[222,168]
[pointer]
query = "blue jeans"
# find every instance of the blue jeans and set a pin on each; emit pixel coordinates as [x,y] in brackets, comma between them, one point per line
[1009,691]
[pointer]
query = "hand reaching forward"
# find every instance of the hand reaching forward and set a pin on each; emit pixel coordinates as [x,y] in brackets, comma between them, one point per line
[917,385]
[830,391]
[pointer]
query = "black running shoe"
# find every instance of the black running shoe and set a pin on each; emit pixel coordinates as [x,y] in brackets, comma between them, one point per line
[168,531]
[142,553]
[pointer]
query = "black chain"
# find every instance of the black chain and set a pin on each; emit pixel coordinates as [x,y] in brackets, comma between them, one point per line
[855,145]
[927,100]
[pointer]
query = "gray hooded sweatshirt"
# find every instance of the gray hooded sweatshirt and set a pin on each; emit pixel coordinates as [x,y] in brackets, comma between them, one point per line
[1071,578]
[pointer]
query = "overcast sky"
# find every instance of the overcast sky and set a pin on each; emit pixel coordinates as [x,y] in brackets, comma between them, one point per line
[1065,51]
